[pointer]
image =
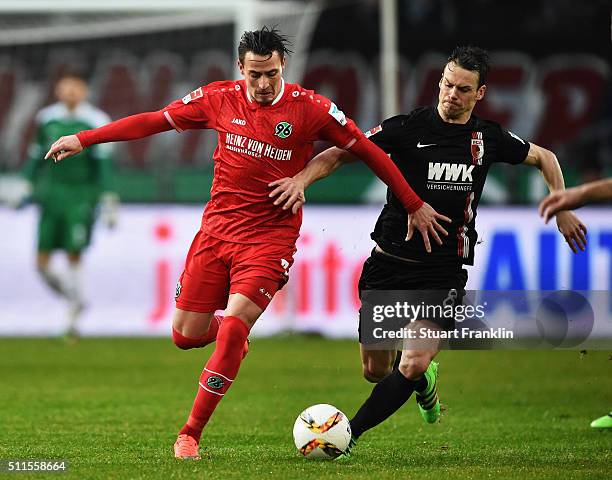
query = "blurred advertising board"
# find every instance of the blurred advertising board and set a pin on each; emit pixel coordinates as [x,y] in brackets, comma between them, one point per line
[130,273]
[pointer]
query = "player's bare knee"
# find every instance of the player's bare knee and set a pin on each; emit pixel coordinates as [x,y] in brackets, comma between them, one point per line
[181,341]
[374,372]
[190,324]
[414,366]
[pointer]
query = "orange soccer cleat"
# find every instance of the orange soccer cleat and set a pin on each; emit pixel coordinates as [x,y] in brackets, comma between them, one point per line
[186,448]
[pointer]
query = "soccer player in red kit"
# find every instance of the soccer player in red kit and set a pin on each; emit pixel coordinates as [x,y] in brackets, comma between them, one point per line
[241,255]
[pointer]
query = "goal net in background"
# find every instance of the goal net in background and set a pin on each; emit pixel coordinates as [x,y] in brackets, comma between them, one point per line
[136,59]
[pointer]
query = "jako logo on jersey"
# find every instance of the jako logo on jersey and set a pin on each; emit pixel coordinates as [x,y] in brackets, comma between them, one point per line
[477,148]
[239,121]
[373,131]
[283,129]
[337,114]
[449,172]
[197,93]
[177,292]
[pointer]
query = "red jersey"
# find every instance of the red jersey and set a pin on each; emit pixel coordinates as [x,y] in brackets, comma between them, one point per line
[258,144]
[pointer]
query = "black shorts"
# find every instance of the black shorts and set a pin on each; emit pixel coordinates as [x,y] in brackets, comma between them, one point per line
[434,284]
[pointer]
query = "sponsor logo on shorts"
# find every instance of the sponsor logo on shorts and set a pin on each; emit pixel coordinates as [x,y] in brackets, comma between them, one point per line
[285,265]
[179,287]
[267,294]
[214,382]
[451,298]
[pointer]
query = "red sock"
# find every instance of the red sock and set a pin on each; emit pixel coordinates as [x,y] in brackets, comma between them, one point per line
[218,374]
[186,342]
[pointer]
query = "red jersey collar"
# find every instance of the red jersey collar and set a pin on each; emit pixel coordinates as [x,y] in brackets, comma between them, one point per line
[253,104]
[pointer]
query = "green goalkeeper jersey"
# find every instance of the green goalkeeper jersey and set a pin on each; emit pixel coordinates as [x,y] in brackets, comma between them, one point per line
[79,178]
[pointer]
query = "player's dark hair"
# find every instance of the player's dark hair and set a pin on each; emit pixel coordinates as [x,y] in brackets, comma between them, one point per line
[72,73]
[472,58]
[263,42]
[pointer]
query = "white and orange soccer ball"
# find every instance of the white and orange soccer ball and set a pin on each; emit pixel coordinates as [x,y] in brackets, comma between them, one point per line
[322,432]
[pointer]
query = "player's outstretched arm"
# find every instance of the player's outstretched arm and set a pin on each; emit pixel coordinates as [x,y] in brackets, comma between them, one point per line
[128,128]
[290,190]
[570,226]
[592,192]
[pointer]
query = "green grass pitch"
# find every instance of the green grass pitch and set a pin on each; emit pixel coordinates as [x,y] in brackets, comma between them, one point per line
[112,408]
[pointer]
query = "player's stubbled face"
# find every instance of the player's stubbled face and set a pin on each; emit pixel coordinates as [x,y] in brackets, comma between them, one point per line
[262,75]
[458,92]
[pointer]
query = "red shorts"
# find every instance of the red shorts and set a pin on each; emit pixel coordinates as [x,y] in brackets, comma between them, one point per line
[216,268]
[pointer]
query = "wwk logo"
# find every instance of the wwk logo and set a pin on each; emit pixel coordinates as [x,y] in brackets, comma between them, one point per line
[450,172]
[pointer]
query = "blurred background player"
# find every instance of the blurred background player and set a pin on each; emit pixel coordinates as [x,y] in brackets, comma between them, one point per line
[444,139]
[68,194]
[593,192]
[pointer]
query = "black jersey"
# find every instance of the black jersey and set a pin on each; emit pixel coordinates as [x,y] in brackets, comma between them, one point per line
[446,164]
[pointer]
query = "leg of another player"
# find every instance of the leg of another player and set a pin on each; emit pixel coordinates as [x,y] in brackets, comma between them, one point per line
[53,281]
[397,387]
[220,371]
[74,290]
[376,364]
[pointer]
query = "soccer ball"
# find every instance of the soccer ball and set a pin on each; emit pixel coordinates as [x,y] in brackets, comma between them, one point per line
[322,432]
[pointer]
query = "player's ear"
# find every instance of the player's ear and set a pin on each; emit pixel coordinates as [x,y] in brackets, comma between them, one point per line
[481,92]
[240,66]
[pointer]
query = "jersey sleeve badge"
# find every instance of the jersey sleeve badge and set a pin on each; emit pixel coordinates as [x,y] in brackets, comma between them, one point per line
[197,93]
[338,114]
[373,131]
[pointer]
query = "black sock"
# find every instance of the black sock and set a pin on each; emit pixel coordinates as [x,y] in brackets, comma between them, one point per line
[386,398]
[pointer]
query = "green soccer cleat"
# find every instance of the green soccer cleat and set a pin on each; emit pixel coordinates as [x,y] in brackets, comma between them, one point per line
[428,401]
[346,455]
[603,422]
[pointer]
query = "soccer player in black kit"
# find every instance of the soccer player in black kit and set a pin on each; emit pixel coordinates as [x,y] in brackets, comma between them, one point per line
[445,153]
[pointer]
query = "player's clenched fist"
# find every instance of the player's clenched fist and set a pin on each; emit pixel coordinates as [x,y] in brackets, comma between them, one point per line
[64,147]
